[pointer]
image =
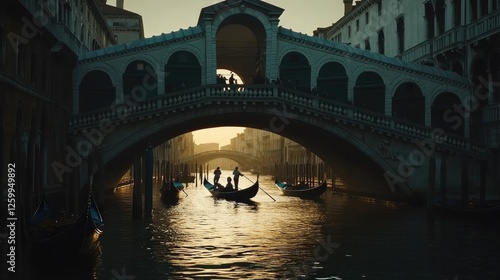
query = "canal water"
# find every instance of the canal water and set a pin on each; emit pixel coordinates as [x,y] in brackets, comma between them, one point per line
[334,237]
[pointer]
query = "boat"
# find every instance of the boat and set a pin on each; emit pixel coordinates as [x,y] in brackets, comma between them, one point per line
[239,195]
[169,193]
[301,191]
[56,234]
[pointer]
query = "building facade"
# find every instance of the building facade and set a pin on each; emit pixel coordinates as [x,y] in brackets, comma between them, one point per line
[125,25]
[39,46]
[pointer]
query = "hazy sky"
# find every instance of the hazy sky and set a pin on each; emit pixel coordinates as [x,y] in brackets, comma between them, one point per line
[164,16]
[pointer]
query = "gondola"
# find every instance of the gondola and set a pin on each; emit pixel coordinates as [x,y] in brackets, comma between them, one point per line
[169,193]
[239,195]
[54,234]
[291,190]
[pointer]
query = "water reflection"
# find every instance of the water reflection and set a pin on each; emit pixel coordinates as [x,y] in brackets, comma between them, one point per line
[333,237]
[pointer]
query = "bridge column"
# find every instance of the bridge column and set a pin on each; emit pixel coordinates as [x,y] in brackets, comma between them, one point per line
[272,50]
[442,181]
[210,52]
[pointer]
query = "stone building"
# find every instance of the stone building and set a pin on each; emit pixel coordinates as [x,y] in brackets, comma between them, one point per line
[39,45]
[127,26]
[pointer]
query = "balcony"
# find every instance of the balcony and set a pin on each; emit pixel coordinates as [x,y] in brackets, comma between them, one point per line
[418,52]
[484,27]
[451,39]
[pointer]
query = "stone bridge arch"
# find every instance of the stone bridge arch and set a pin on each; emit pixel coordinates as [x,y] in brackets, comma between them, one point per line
[244,160]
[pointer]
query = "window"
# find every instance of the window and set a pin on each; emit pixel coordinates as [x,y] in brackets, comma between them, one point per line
[33,66]
[379,7]
[484,7]
[457,5]
[429,16]
[400,26]
[367,18]
[349,32]
[440,16]
[357,25]
[381,43]
[473,10]
[367,44]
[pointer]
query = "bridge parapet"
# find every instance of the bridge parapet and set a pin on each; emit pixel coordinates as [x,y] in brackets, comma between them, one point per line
[262,95]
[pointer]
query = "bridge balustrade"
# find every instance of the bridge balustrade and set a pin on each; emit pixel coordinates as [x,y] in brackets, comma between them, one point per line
[308,103]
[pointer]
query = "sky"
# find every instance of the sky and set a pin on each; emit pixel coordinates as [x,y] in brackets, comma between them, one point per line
[164,16]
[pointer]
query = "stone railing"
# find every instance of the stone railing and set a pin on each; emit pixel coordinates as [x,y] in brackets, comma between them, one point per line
[418,52]
[321,107]
[448,40]
[491,114]
[484,27]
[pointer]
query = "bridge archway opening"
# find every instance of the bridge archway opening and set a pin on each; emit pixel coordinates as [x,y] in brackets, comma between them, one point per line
[96,91]
[183,70]
[408,103]
[140,79]
[369,92]
[444,117]
[241,45]
[332,82]
[295,71]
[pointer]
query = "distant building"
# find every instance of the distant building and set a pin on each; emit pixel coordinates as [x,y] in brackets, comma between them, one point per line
[462,36]
[125,25]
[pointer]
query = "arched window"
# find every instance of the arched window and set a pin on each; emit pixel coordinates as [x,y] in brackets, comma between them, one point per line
[183,70]
[332,82]
[444,116]
[295,71]
[408,103]
[140,81]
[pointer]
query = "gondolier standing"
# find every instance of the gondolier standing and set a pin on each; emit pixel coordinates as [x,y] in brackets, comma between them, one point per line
[217,174]
[236,177]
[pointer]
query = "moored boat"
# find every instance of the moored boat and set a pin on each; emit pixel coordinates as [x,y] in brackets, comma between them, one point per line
[55,234]
[301,191]
[239,195]
[169,193]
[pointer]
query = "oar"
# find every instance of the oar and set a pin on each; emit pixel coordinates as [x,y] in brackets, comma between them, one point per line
[182,190]
[260,187]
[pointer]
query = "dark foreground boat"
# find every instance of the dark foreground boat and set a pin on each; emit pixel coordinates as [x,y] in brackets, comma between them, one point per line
[51,233]
[303,192]
[169,193]
[240,195]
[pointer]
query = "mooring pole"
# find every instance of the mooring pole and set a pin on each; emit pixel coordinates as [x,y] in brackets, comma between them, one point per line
[148,192]
[137,196]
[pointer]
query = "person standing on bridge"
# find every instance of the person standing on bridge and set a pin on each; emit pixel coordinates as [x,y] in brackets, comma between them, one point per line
[236,177]
[217,174]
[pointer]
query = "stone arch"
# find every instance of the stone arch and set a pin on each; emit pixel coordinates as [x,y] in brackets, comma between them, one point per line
[182,70]
[241,46]
[140,80]
[369,92]
[408,103]
[443,115]
[332,82]
[96,91]
[295,71]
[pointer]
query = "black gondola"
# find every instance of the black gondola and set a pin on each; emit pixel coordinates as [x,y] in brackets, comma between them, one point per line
[53,234]
[169,193]
[239,195]
[303,192]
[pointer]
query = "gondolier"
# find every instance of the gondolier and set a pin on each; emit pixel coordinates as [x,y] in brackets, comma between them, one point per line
[236,177]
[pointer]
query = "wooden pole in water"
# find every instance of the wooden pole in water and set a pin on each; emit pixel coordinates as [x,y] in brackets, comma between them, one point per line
[464,184]
[137,196]
[148,192]
[432,185]
[442,175]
